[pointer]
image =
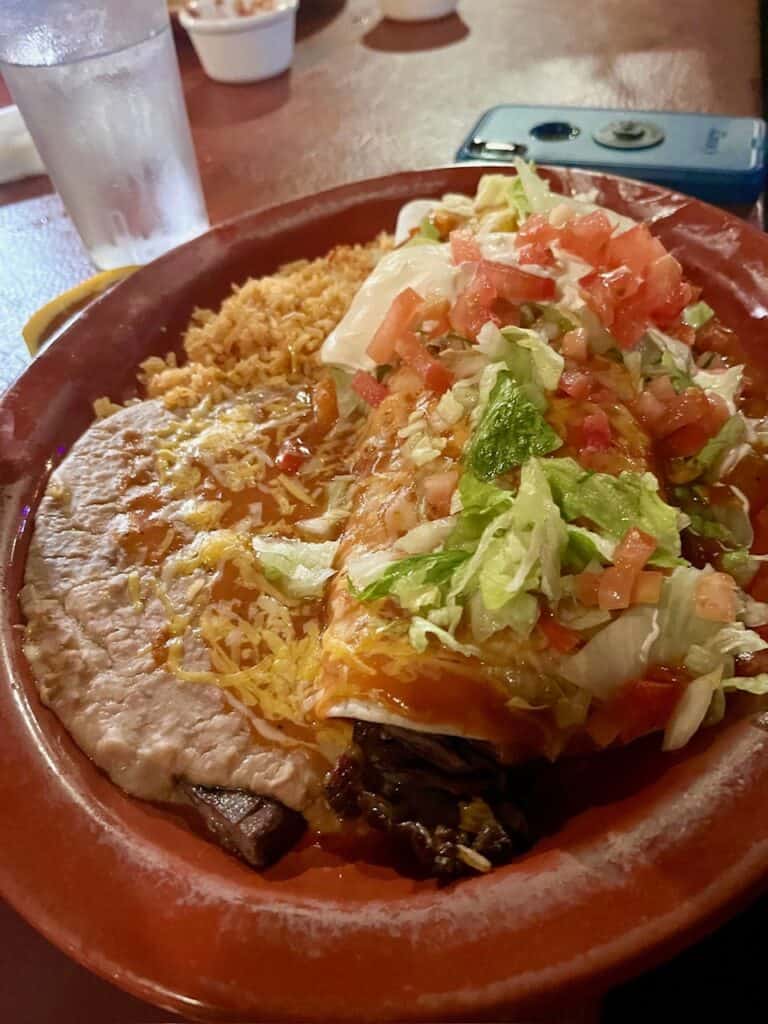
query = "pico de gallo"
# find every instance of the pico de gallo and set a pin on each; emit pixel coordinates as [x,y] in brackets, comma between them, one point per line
[573,485]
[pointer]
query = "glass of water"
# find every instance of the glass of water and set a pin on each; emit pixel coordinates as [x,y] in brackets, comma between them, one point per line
[97,82]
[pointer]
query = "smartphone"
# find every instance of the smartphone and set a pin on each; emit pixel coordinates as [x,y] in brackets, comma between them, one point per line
[717,158]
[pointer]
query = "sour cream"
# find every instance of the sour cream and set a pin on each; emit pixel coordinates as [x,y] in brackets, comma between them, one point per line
[427,269]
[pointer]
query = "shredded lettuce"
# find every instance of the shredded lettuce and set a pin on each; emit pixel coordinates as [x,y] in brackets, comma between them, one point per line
[427,537]
[528,356]
[748,684]
[546,365]
[752,612]
[519,614]
[712,455]
[741,565]
[510,431]
[556,317]
[679,625]
[617,653]
[615,503]
[538,195]
[480,503]
[669,634]
[298,567]
[367,566]
[725,383]
[661,355]
[504,549]
[336,512]
[541,199]
[726,642]
[691,710]
[413,574]
[428,231]
[576,616]
[584,547]
[496,190]
[420,630]
[678,352]
[697,314]
[726,522]
[347,399]
[519,549]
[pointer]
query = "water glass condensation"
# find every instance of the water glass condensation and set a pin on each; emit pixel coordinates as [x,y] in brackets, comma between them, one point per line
[97,82]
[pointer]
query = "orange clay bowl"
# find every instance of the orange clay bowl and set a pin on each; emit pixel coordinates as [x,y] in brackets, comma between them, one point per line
[654,849]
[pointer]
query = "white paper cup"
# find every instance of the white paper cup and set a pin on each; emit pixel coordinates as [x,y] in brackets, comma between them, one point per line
[417,10]
[244,49]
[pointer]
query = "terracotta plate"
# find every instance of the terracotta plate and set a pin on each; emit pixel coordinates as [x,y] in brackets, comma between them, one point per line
[653,849]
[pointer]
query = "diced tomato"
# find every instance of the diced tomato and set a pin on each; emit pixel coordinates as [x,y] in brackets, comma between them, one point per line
[596,430]
[634,249]
[370,390]
[608,292]
[482,288]
[689,407]
[673,305]
[575,383]
[662,278]
[662,282]
[558,636]
[689,422]
[324,404]
[401,317]
[598,294]
[663,389]
[615,588]
[718,413]
[636,281]
[472,309]
[516,285]
[574,345]
[621,283]
[586,237]
[630,323]
[647,588]
[536,231]
[468,317]
[586,588]
[716,597]
[436,375]
[506,313]
[634,549]
[684,442]
[644,705]
[464,247]
[292,455]
[535,254]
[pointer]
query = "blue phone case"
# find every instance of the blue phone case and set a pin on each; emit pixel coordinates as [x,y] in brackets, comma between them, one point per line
[719,159]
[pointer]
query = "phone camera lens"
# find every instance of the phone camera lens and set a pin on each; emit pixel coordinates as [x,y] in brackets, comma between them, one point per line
[554,131]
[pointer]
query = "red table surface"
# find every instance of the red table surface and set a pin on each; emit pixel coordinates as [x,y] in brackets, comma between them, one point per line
[366,97]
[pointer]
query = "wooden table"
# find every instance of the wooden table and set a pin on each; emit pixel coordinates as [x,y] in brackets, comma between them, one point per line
[366,97]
